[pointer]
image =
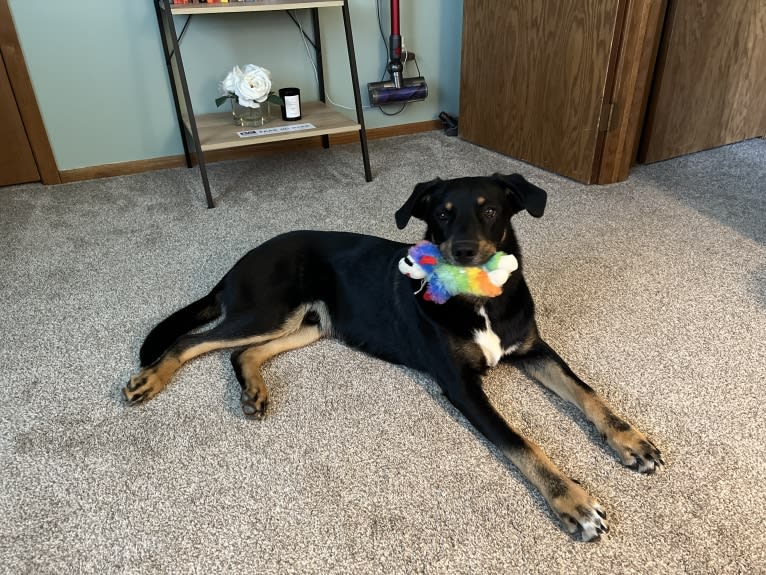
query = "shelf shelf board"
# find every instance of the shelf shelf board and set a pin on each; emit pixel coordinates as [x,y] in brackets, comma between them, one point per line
[218,132]
[252,6]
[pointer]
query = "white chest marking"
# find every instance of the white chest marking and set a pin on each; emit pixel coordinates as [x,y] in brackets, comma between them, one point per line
[489,342]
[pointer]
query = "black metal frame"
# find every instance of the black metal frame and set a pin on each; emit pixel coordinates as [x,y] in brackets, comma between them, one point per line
[184,109]
[357,95]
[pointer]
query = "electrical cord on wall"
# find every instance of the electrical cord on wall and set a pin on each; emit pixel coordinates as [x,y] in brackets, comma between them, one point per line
[305,36]
[382,37]
[414,60]
[306,41]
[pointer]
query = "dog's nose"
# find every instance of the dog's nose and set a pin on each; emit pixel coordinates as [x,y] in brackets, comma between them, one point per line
[464,252]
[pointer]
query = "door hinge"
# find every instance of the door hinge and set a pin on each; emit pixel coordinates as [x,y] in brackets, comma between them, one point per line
[608,117]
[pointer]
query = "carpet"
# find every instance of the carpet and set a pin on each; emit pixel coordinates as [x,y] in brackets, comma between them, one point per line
[653,289]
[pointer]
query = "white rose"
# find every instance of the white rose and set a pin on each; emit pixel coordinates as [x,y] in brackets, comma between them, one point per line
[229,83]
[253,86]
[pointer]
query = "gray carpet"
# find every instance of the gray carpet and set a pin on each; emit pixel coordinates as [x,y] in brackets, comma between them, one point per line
[654,290]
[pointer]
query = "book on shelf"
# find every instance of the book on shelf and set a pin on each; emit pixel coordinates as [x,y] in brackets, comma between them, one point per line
[174,2]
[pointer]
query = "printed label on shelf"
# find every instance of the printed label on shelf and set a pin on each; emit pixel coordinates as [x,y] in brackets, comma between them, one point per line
[275,130]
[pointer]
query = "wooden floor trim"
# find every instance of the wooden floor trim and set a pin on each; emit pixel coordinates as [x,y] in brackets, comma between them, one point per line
[139,166]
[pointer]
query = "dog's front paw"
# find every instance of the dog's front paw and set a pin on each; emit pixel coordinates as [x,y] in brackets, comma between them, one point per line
[579,513]
[633,448]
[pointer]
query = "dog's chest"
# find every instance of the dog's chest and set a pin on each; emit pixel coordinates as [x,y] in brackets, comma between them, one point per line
[489,342]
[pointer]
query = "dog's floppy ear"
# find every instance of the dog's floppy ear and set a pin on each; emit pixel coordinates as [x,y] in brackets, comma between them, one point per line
[524,195]
[416,204]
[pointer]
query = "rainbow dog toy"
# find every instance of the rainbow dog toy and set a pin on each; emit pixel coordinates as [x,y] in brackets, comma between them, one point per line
[424,261]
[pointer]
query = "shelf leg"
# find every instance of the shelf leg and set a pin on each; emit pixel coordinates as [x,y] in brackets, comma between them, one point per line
[320,65]
[205,181]
[171,74]
[357,95]
[185,104]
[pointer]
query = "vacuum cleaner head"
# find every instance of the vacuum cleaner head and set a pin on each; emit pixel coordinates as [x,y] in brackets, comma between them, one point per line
[397,89]
[410,90]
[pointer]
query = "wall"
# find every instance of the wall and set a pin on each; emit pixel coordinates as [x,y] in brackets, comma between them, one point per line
[103,90]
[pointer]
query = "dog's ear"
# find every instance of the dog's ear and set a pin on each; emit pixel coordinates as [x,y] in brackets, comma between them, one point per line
[523,195]
[416,204]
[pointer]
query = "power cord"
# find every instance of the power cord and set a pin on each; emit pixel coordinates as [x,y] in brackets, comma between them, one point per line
[306,41]
[305,36]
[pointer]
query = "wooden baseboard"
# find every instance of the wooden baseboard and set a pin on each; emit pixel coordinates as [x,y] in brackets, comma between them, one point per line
[139,166]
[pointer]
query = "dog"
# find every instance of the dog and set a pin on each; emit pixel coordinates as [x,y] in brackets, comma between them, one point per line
[301,286]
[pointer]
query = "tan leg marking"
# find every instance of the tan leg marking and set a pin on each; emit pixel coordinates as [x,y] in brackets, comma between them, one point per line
[152,379]
[579,513]
[632,446]
[255,395]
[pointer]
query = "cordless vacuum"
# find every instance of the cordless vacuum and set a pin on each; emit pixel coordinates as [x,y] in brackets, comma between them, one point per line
[397,89]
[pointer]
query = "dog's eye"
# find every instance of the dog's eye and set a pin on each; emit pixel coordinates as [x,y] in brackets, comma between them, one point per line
[490,213]
[443,215]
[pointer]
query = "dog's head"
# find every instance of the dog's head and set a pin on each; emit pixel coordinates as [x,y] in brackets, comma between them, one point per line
[469,218]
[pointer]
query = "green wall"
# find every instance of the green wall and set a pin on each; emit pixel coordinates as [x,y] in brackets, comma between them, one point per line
[103,90]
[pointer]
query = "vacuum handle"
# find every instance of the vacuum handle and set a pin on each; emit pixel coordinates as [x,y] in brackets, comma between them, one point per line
[395,66]
[395,18]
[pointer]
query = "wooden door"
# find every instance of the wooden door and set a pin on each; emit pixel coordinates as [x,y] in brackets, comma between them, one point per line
[17,163]
[25,153]
[540,77]
[710,86]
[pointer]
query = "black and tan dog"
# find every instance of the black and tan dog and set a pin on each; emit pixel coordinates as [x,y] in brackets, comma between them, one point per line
[301,286]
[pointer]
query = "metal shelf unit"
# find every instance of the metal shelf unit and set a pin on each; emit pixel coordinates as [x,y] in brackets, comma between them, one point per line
[202,133]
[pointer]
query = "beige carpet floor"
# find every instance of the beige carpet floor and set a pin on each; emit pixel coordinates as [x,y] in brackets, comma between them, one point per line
[653,289]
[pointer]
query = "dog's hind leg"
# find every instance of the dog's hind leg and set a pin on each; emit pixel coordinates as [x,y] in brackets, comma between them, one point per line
[166,332]
[633,448]
[247,366]
[240,331]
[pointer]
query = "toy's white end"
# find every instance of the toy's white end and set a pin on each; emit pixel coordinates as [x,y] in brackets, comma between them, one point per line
[411,269]
[508,263]
[499,277]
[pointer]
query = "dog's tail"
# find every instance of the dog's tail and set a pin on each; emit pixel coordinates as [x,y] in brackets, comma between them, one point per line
[166,332]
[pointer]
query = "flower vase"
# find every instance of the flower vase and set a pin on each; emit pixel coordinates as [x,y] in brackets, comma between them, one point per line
[245,116]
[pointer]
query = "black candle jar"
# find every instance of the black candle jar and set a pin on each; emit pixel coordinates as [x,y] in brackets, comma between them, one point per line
[291,109]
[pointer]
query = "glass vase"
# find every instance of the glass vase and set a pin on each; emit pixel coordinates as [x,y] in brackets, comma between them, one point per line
[249,117]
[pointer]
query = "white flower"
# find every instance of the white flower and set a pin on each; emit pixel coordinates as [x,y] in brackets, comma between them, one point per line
[253,86]
[250,86]
[229,83]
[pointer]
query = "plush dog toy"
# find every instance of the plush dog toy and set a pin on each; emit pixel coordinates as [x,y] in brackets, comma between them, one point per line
[424,261]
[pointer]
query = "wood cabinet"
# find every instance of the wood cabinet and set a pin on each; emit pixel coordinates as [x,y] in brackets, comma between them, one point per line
[561,85]
[25,153]
[585,88]
[710,78]
[17,163]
